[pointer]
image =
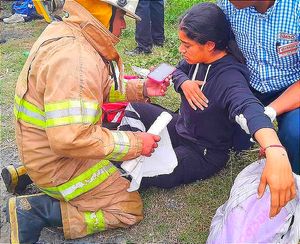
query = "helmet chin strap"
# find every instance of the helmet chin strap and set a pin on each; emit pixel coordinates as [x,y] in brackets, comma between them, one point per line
[114,75]
[111,22]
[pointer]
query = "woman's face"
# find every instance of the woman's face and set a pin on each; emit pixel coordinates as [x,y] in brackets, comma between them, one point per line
[192,51]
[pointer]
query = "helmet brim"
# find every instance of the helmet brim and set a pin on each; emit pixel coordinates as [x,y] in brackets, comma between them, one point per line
[132,15]
[128,13]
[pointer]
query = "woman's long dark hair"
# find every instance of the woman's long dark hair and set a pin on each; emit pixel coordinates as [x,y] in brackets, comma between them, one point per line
[206,22]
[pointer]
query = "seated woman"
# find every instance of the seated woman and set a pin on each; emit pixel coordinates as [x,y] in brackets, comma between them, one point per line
[201,133]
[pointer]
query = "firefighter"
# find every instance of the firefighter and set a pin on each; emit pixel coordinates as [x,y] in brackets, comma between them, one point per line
[70,72]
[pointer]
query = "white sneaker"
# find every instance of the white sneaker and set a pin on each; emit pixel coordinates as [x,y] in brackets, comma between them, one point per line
[15,18]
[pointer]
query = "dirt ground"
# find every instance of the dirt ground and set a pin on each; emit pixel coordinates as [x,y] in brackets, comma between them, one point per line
[8,150]
[169,204]
[179,215]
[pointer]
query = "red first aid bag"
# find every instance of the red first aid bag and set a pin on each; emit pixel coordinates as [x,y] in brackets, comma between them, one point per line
[112,113]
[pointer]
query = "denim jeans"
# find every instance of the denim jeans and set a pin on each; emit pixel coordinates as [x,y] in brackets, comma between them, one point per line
[288,129]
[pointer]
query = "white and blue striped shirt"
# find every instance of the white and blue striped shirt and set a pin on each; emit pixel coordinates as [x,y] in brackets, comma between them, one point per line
[269,42]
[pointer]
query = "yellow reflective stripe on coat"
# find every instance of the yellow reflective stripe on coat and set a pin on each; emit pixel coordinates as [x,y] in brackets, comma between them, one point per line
[82,183]
[72,112]
[115,95]
[95,221]
[53,192]
[122,145]
[29,113]
[57,114]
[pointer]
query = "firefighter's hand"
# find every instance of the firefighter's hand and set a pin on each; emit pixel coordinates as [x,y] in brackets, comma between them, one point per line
[193,94]
[149,143]
[278,175]
[155,89]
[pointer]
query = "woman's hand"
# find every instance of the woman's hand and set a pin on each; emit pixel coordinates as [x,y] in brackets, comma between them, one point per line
[277,172]
[194,95]
[278,175]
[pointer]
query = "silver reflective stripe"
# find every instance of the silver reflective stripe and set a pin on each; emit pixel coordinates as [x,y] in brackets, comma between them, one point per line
[78,185]
[121,147]
[123,142]
[22,109]
[71,112]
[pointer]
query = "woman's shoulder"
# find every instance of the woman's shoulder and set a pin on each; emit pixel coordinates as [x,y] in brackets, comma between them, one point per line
[231,70]
[229,62]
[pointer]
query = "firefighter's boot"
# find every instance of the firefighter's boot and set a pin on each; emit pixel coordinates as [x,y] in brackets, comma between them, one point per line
[28,215]
[15,178]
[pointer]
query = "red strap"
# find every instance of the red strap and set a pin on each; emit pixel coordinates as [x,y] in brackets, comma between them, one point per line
[262,151]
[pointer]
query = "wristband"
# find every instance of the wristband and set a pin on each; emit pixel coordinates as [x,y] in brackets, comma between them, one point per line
[262,151]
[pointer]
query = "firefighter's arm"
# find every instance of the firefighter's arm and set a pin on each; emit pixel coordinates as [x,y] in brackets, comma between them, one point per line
[138,90]
[288,101]
[93,142]
[277,172]
[73,113]
[96,142]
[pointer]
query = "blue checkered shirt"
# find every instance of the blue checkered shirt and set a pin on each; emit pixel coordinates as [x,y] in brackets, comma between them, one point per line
[259,37]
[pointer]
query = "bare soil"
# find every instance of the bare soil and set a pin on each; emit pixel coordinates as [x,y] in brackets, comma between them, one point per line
[161,205]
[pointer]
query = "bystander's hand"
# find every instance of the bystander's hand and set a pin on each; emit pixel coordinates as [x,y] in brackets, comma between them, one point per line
[194,95]
[149,143]
[288,100]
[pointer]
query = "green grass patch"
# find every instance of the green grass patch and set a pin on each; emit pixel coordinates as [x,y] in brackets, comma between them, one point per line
[179,215]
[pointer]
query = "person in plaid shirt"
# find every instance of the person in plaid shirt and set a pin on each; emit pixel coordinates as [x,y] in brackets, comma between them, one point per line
[268,34]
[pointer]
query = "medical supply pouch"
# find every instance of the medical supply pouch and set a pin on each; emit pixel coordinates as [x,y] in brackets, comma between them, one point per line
[112,114]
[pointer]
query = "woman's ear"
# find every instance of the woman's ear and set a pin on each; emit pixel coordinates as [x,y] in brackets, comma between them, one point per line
[210,46]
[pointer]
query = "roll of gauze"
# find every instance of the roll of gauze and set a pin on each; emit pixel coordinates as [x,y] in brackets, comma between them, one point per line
[156,164]
[160,123]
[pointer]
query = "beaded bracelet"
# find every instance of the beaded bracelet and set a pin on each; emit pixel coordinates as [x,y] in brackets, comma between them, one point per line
[262,151]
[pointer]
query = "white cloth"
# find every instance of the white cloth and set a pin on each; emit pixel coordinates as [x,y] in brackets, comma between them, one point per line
[242,121]
[271,113]
[244,218]
[162,161]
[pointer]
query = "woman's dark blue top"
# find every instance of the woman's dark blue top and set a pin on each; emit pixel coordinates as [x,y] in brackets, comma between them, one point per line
[228,92]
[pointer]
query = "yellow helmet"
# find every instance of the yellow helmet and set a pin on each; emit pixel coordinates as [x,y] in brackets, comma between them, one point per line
[129,6]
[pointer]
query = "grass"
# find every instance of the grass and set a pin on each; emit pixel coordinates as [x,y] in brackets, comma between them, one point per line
[179,215]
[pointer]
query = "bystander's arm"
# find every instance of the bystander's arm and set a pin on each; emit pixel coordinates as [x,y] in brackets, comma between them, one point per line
[288,101]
